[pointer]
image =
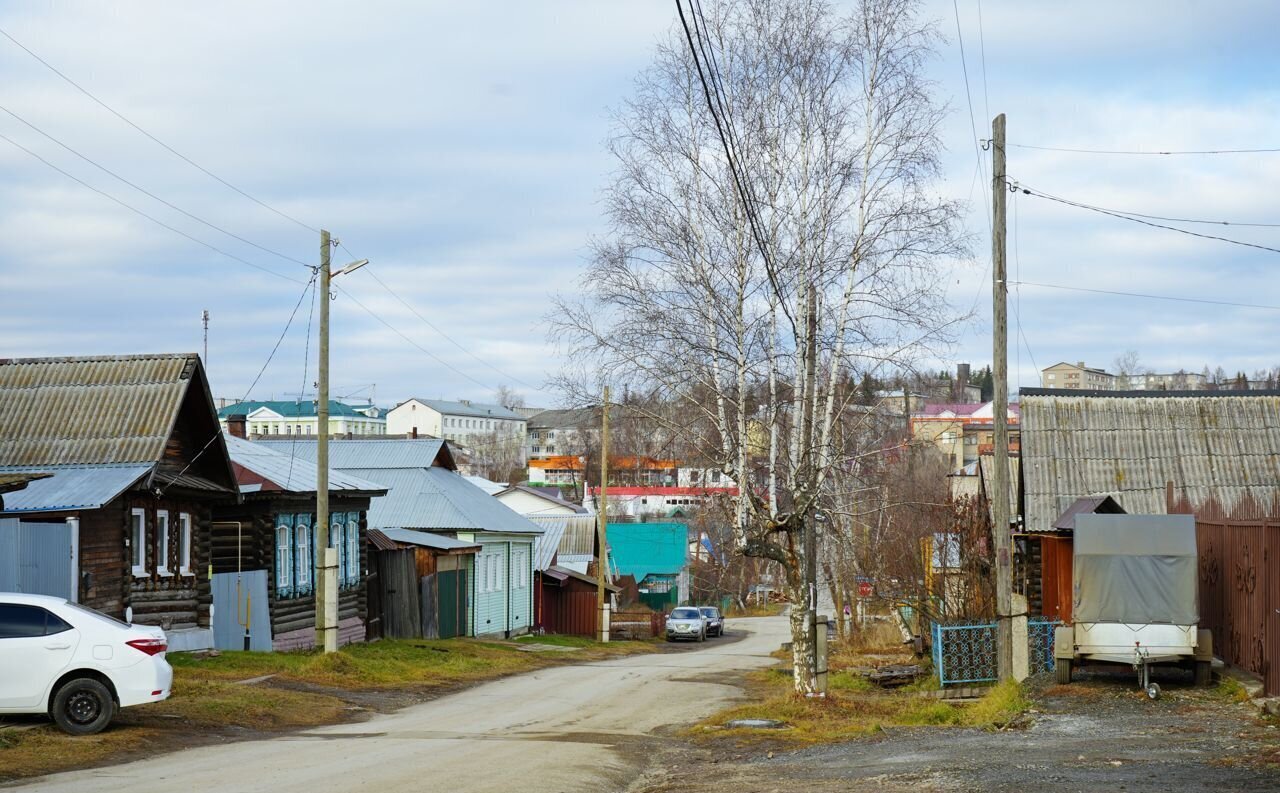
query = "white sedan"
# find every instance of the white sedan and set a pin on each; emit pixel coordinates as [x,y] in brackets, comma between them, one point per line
[76,664]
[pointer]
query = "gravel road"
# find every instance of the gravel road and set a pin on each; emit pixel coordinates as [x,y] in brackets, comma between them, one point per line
[570,728]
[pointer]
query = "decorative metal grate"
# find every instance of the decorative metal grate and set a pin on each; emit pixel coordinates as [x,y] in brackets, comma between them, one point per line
[966,652]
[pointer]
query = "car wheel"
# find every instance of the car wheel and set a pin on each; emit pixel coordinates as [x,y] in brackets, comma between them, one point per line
[82,707]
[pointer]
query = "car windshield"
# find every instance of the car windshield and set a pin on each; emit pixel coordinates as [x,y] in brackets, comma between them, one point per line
[710,611]
[98,614]
[685,614]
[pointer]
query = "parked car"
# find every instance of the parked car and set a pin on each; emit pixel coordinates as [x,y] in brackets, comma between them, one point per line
[715,620]
[76,664]
[686,622]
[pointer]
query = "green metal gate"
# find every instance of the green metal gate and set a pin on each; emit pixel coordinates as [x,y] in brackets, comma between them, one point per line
[451,590]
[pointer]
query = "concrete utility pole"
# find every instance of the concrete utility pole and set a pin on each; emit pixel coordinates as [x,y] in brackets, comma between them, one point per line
[326,572]
[1000,409]
[602,522]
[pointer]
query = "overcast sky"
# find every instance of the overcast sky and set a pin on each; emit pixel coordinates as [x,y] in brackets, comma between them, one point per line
[459,146]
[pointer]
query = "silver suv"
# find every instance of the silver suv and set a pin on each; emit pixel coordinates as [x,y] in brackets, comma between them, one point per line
[686,622]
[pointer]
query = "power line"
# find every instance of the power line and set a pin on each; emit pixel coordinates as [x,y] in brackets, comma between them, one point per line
[982,52]
[164,145]
[431,325]
[1158,152]
[977,149]
[1133,219]
[306,288]
[1242,224]
[153,219]
[1147,296]
[147,192]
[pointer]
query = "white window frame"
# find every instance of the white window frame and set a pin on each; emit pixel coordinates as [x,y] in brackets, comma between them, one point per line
[353,548]
[284,558]
[162,538]
[302,535]
[482,573]
[337,542]
[184,543]
[138,541]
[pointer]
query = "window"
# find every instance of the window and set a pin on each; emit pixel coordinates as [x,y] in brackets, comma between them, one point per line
[337,541]
[24,622]
[288,429]
[138,541]
[302,553]
[184,543]
[353,548]
[284,555]
[162,542]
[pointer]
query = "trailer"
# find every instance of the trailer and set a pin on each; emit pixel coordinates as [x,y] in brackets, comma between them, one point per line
[1134,598]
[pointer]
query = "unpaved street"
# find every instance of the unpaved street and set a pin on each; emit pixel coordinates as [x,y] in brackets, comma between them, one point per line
[568,728]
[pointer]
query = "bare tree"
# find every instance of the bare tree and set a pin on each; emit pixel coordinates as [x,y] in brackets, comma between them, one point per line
[1127,365]
[747,299]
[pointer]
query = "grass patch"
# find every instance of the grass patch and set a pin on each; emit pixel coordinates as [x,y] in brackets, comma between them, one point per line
[761,610]
[1231,690]
[854,707]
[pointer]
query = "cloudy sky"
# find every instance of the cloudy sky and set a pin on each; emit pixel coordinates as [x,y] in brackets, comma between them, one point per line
[460,148]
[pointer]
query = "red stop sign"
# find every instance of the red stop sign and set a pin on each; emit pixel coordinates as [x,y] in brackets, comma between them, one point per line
[864,589]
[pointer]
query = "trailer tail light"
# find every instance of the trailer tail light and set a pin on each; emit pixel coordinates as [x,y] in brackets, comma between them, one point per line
[149,646]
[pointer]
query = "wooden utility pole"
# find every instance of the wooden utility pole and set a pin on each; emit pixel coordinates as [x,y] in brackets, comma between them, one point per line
[1000,408]
[204,320]
[602,522]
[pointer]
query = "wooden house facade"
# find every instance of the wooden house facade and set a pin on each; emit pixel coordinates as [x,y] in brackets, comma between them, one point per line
[273,530]
[136,465]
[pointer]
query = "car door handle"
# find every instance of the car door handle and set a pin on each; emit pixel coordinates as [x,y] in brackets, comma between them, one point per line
[57,646]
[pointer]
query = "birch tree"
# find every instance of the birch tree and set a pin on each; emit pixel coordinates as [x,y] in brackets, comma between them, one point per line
[752,302]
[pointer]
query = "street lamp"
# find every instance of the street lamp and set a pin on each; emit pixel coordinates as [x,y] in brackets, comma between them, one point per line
[326,573]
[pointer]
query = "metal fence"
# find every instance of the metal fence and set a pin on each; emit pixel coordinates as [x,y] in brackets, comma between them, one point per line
[966,652]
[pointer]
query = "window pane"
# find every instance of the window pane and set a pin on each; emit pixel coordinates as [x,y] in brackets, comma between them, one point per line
[19,622]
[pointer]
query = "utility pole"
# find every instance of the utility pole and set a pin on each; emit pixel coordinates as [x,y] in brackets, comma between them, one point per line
[326,572]
[326,621]
[602,521]
[1000,408]
[204,319]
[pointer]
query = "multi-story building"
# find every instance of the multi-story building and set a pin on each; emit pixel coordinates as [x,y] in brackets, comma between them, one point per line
[1077,376]
[1178,381]
[301,417]
[472,424]
[555,433]
[962,432]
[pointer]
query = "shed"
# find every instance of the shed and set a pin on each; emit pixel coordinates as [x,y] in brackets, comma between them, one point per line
[568,600]
[429,571]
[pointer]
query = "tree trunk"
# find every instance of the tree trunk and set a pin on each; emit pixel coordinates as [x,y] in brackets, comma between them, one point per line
[801,639]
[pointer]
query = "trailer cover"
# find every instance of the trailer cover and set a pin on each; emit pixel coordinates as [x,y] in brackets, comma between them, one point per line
[1135,569]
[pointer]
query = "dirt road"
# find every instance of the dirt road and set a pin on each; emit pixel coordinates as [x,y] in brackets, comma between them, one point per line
[583,727]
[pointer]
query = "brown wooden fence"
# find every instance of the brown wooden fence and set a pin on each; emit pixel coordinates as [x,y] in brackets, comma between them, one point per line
[1239,582]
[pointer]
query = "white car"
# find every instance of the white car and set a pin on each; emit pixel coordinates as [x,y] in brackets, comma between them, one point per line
[76,664]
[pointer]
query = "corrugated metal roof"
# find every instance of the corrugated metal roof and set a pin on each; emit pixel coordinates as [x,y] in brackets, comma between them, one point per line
[579,533]
[429,540]
[74,487]
[487,485]
[90,410]
[437,498]
[545,547]
[474,409]
[371,453]
[542,493]
[293,408]
[1223,446]
[296,474]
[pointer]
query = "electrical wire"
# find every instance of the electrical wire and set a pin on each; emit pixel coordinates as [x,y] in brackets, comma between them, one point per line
[306,288]
[977,150]
[153,219]
[1132,219]
[161,143]
[1158,152]
[150,194]
[1147,296]
[306,360]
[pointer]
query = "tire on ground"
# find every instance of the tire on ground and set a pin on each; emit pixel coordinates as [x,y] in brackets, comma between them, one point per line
[83,706]
[1062,671]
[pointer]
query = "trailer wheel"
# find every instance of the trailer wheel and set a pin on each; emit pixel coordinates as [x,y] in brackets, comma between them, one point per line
[1153,691]
[1204,673]
[1062,671]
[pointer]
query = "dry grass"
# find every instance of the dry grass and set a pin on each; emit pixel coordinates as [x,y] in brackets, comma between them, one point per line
[760,610]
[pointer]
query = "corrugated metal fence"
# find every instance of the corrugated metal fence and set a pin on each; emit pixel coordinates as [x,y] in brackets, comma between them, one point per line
[35,558]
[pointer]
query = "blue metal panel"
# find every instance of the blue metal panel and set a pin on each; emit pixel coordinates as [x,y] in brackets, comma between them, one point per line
[35,558]
[73,487]
[966,652]
[239,598]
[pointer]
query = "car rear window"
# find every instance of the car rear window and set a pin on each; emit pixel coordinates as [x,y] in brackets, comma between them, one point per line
[98,615]
[22,621]
[685,614]
[711,611]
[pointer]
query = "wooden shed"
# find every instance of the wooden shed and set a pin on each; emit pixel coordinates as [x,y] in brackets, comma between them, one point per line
[419,586]
[567,602]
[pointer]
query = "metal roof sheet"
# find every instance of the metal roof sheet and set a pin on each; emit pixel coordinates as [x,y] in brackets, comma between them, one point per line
[1219,445]
[578,537]
[545,547]
[474,409]
[293,473]
[90,410]
[428,540]
[74,487]
[371,453]
[986,467]
[292,408]
[437,498]
[542,493]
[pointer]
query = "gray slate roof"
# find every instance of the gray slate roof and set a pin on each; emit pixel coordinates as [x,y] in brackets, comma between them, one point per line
[473,410]
[368,453]
[297,474]
[1224,446]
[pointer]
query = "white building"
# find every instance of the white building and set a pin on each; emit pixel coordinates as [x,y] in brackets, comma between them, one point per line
[532,502]
[465,422]
[301,417]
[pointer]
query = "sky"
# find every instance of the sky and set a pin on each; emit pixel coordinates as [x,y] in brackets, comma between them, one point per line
[461,149]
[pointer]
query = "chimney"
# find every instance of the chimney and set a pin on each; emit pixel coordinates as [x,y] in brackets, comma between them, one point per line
[413,433]
[236,425]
